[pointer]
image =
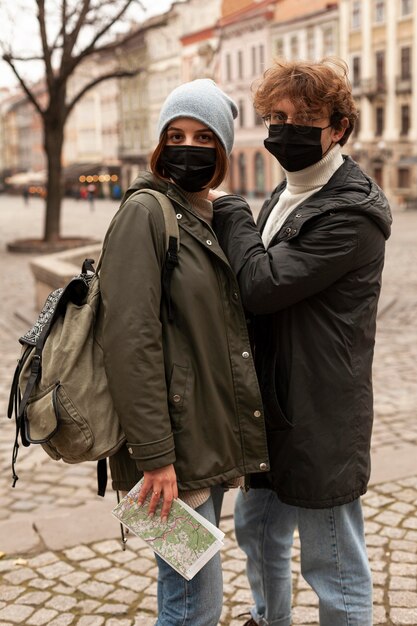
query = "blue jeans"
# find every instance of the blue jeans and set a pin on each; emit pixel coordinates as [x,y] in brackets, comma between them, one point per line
[195,602]
[333,558]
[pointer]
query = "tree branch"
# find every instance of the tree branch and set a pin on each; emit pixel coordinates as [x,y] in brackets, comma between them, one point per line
[33,58]
[63,30]
[91,47]
[73,35]
[116,74]
[98,50]
[71,62]
[23,84]
[44,39]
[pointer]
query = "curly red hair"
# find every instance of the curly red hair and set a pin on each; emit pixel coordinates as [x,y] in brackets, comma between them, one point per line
[315,87]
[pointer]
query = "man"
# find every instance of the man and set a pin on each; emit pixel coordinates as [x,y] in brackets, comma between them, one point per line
[311,281]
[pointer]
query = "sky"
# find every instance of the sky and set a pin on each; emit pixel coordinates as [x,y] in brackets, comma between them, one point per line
[19,28]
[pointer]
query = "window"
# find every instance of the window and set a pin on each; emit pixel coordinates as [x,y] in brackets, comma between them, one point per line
[357,127]
[356,15]
[228,67]
[294,47]
[261,58]
[379,121]
[404,177]
[405,119]
[380,69]
[379,11]
[241,174]
[328,41]
[356,73]
[241,107]
[279,47]
[406,63]
[253,61]
[311,47]
[378,175]
[406,7]
[239,64]
[259,175]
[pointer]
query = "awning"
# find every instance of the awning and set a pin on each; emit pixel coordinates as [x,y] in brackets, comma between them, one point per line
[76,170]
[27,178]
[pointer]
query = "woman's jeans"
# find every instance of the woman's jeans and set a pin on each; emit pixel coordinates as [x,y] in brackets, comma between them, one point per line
[195,602]
[333,558]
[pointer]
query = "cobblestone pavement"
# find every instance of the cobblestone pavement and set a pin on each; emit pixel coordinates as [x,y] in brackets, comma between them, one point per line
[62,561]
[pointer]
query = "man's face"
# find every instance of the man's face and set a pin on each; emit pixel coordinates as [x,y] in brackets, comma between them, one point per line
[286,112]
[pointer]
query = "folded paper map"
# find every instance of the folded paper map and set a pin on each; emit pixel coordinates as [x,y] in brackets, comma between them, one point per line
[186,541]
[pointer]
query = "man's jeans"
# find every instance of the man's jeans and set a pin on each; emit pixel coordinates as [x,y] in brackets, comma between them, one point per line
[197,602]
[333,558]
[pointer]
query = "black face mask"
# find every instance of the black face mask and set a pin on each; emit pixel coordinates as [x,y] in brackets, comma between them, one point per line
[191,167]
[295,147]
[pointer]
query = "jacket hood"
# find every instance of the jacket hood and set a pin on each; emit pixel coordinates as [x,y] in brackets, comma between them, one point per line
[350,189]
[363,195]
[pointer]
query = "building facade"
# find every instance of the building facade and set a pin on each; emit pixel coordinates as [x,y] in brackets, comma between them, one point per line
[244,53]
[134,121]
[379,41]
[252,35]
[113,128]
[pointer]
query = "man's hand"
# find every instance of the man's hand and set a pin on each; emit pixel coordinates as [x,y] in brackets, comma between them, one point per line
[214,194]
[161,482]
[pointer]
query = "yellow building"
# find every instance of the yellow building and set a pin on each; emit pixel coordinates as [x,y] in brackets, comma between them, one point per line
[379,40]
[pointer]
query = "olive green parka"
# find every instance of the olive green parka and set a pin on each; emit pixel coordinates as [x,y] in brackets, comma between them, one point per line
[185,390]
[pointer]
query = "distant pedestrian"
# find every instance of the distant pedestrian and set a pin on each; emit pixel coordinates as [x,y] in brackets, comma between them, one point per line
[310,274]
[25,195]
[91,193]
[116,191]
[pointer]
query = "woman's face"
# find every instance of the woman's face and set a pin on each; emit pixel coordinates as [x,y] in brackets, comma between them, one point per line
[185,131]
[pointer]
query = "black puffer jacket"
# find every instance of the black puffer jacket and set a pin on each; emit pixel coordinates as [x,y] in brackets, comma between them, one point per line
[314,296]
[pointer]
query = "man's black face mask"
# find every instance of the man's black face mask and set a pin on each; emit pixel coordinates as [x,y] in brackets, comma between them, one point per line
[295,147]
[191,167]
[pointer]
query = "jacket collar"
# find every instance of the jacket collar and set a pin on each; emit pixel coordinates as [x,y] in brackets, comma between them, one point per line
[188,219]
[349,189]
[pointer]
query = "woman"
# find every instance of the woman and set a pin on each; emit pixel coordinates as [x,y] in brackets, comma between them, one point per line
[185,389]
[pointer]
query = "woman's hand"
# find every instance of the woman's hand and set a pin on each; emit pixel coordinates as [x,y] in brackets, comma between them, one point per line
[161,482]
[214,194]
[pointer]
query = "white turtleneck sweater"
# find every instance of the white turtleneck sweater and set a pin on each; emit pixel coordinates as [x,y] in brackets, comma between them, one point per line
[300,186]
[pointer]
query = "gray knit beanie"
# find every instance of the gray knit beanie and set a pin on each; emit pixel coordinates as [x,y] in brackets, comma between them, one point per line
[201,100]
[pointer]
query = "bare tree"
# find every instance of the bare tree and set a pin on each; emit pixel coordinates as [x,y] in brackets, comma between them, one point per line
[71,32]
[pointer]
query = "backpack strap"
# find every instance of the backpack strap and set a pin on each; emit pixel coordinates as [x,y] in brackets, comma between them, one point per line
[170,220]
[172,244]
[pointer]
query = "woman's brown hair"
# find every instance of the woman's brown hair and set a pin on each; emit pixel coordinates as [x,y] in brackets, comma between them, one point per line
[222,162]
[312,87]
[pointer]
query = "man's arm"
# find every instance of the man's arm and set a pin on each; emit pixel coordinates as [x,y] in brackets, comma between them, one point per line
[290,271]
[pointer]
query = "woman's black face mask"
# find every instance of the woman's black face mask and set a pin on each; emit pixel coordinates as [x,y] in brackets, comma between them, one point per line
[295,147]
[190,167]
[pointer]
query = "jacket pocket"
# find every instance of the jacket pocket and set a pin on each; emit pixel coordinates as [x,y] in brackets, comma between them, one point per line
[73,437]
[275,418]
[177,394]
